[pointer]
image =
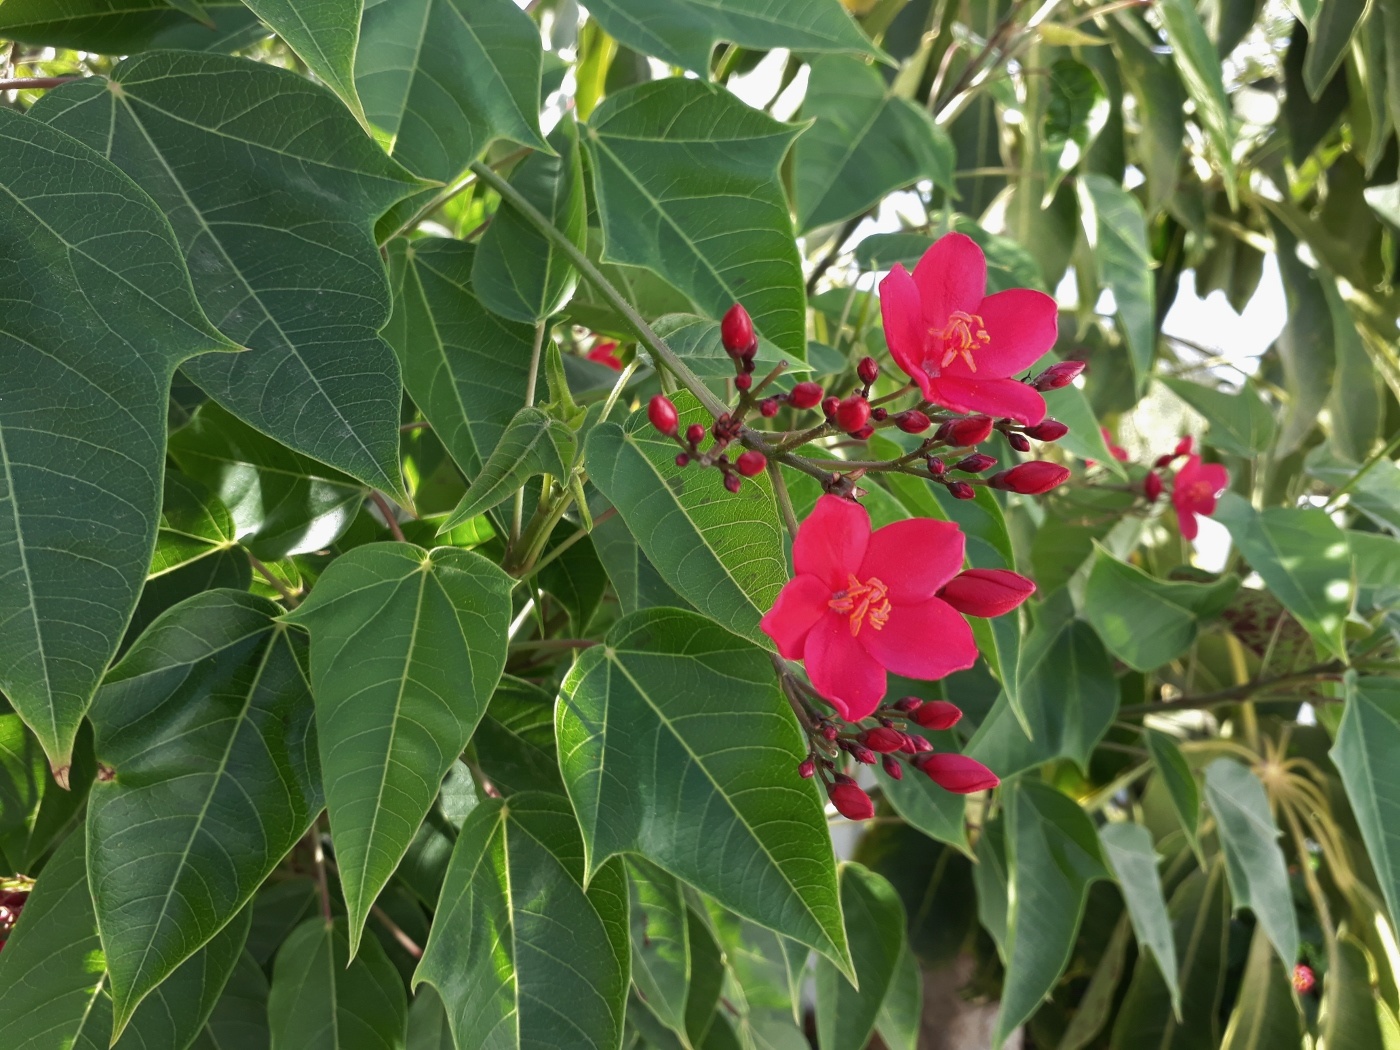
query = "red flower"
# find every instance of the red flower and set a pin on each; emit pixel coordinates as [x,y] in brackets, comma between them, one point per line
[605,353]
[861,603]
[1195,490]
[960,345]
[1118,452]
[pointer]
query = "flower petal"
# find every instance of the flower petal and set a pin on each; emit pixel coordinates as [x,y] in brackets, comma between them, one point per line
[831,541]
[1216,476]
[1186,521]
[801,603]
[913,558]
[904,323]
[928,640]
[841,670]
[995,397]
[952,275]
[1022,324]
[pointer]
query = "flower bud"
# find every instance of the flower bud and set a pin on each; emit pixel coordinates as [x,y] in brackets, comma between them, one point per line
[909,703]
[736,332]
[1057,376]
[768,407]
[808,769]
[751,463]
[879,415]
[863,754]
[868,370]
[1184,446]
[662,414]
[958,773]
[851,802]
[912,421]
[805,395]
[747,364]
[830,732]
[921,744]
[1152,486]
[975,463]
[892,768]
[970,431]
[962,490]
[852,413]
[937,714]
[884,740]
[1163,461]
[1047,430]
[829,405]
[743,381]
[695,433]
[936,466]
[732,482]
[1304,980]
[986,592]
[682,460]
[1018,442]
[1030,479]
[863,433]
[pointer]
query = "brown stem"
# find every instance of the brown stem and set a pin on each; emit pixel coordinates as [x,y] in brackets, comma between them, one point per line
[273,581]
[389,517]
[406,942]
[1319,672]
[35,83]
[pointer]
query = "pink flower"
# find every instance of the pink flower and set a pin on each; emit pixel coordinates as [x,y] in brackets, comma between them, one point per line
[958,343]
[605,353]
[861,603]
[1195,490]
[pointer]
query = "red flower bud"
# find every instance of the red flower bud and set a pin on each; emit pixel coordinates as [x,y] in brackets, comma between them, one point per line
[851,802]
[830,732]
[863,754]
[936,466]
[663,415]
[868,370]
[736,331]
[962,490]
[970,431]
[975,463]
[884,740]
[1304,980]
[1057,376]
[743,381]
[879,415]
[808,769]
[805,395]
[1163,461]
[921,744]
[695,433]
[1184,446]
[892,768]
[751,463]
[852,413]
[830,405]
[1047,430]
[863,433]
[958,773]
[937,714]
[732,482]
[909,703]
[986,592]
[1030,479]
[1152,486]
[768,407]
[682,460]
[912,421]
[1018,442]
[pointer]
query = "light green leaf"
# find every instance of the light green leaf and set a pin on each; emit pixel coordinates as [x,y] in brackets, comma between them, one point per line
[207,725]
[696,341]
[407,646]
[722,551]
[194,523]
[120,27]
[1053,856]
[1075,113]
[865,141]
[1133,860]
[521,954]
[1180,782]
[684,32]
[1144,621]
[428,1028]
[273,192]
[635,580]
[921,803]
[1117,233]
[902,1010]
[686,178]
[443,79]
[1240,424]
[1329,40]
[660,941]
[1160,100]
[1266,1014]
[1303,557]
[34,810]
[466,369]
[1094,1009]
[102,312]
[875,931]
[1377,492]
[1306,346]
[1199,66]
[1351,1019]
[324,34]
[1365,757]
[694,716]
[324,997]
[532,443]
[240,1016]
[1356,404]
[1253,860]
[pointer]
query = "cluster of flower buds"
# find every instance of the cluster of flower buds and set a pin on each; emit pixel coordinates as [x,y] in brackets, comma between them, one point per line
[11,904]
[1152,484]
[661,411]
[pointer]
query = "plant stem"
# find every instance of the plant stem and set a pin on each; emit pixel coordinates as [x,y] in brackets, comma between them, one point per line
[517,518]
[390,518]
[318,854]
[35,83]
[406,942]
[276,584]
[780,493]
[1236,693]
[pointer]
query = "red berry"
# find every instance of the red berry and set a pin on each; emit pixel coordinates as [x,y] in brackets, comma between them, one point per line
[1057,376]
[884,740]
[768,407]
[868,370]
[1152,486]
[892,768]
[732,482]
[970,431]
[937,714]
[682,460]
[743,381]
[912,421]
[1030,479]
[736,332]
[1047,430]
[695,433]
[1304,979]
[751,463]
[852,413]
[962,490]
[975,463]
[662,414]
[805,395]
[851,802]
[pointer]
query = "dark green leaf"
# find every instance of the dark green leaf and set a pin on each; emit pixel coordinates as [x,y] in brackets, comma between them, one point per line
[324,34]
[923,804]
[1196,59]
[519,952]
[1351,1006]
[407,646]
[207,723]
[194,523]
[428,1028]
[1356,403]
[875,931]
[1117,233]
[660,941]
[100,313]
[707,973]
[694,716]
[533,443]
[278,909]
[34,810]
[1329,39]
[514,743]
[239,1019]
[1241,424]
[273,191]
[1306,346]
[1160,98]
[686,178]
[1133,860]
[1094,1009]
[902,1011]
[1180,782]
[1266,1016]
[635,580]
[1364,756]
[118,27]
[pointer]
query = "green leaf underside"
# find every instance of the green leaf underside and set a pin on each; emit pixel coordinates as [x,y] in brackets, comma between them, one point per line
[273,191]
[1364,755]
[407,646]
[514,743]
[98,314]
[1131,856]
[1200,70]
[1266,1017]
[686,178]
[1241,424]
[207,722]
[240,1016]
[521,954]
[1181,784]
[324,34]
[660,941]
[704,792]
[532,443]
[119,27]
[875,931]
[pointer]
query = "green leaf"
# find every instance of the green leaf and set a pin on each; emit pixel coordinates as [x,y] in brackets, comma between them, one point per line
[1266,1016]
[240,1016]
[1329,40]
[660,941]
[443,79]
[1096,1006]
[722,551]
[1303,558]
[1053,856]
[1356,403]
[1180,782]
[533,443]
[1306,347]
[686,178]
[865,141]
[707,973]
[207,725]
[1240,424]
[684,32]
[521,954]
[697,342]
[466,369]
[326,997]
[1008,264]
[1160,99]
[407,646]
[694,716]
[1351,1019]
[846,1015]
[34,810]
[1200,70]
[1133,860]
[1376,493]
[324,34]
[428,1028]
[1144,621]
[116,27]
[1077,110]
[101,315]
[194,523]
[1364,757]
[514,743]
[273,192]
[635,580]
[1253,860]
[921,803]
[902,1011]
[1117,233]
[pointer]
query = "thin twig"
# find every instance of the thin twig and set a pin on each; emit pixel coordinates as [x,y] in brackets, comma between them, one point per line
[406,942]
[289,596]
[780,493]
[1319,672]
[390,518]
[318,854]
[36,83]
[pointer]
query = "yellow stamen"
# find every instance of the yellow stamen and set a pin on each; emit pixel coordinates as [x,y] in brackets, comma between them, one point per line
[862,602]
[963,334]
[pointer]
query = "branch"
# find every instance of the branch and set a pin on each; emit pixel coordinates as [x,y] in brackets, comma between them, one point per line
[387,511]
[1319,672]
[36,83]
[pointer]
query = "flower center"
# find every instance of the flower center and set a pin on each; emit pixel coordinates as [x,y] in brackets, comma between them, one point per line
[963,334]
[1199,491]
[862,602]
